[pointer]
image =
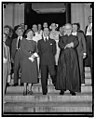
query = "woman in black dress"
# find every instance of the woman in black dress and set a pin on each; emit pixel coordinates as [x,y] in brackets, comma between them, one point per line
[68,77]
[29,62]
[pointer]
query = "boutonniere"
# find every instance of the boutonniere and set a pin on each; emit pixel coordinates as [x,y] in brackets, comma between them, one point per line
[50,43]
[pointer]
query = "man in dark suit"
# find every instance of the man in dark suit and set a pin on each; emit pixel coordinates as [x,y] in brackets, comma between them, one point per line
[88,33]
[15,53]
[47,51]
[89,41]
[81,50]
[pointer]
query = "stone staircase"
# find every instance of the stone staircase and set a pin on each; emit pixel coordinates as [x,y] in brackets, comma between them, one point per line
[52,102]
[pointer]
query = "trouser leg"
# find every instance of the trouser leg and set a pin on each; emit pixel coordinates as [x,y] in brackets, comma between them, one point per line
[44,76]
[81,68]
[16,68]
[52,73]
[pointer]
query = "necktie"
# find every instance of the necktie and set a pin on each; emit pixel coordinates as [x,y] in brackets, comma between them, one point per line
[19,43]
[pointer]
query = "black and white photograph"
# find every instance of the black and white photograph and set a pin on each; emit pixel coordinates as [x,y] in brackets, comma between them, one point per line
[47,58]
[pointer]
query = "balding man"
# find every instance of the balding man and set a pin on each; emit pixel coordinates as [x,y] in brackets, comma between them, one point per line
[68,70]
[47,51]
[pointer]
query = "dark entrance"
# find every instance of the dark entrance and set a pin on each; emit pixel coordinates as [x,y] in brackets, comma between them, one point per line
[31,17]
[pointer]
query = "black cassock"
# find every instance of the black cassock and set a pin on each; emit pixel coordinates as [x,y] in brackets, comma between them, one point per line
[68,75]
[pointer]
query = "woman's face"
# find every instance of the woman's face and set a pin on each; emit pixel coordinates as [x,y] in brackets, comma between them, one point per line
[53,28]
[6,30]
[34,28]
[74,28]
[30,35]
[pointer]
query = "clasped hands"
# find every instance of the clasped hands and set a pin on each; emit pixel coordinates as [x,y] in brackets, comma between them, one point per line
[70,45]
[33,56]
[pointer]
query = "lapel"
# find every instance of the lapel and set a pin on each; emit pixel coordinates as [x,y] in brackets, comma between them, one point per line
[48,43]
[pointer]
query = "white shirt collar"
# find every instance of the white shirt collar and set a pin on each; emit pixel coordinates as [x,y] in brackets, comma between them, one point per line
[45,37]
[74,33]
[20,37]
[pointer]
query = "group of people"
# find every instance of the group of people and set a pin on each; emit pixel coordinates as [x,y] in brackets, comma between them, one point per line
[45,51]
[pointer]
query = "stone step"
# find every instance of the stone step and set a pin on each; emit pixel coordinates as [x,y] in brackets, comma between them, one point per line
[38,89]
[48,107]
[87,81]
[87,75]
[87,69]
[48,98]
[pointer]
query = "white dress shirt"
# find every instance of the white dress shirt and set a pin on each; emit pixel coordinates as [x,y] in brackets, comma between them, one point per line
[89,30]
[74,33]
[37,37]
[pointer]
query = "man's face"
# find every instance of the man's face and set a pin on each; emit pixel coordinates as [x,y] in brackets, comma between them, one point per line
[45,25]
[90,19]
[39,26]
[74,28]
[26,27]
[46,32]
[68,29]
[20,32]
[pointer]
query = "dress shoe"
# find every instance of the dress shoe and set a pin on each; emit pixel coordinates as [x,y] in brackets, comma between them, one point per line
[21,84]
[61,92]
[44,93]
[72,93]
[16,84]
[24,93]
[29,92]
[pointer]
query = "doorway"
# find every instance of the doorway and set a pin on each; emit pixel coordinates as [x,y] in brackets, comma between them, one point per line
[32,17]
